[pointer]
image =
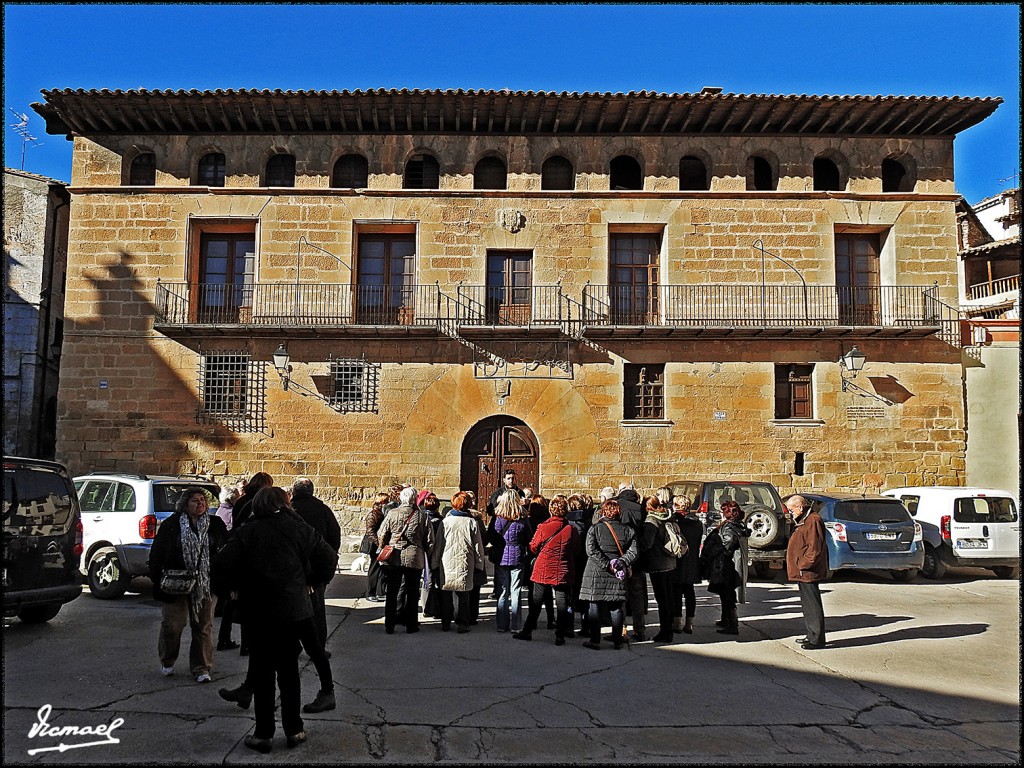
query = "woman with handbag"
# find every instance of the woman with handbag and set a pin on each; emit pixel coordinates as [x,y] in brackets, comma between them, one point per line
[718,566]
[457,557]
[555,544]
[611,550]
[370,546]
[405,540]
[510,534]
[179,565]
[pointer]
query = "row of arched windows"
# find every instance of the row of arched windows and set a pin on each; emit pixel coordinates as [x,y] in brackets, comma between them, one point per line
[422,171]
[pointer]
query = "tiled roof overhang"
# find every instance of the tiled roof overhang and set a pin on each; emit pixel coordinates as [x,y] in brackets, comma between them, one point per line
[1008,248]
[97,112]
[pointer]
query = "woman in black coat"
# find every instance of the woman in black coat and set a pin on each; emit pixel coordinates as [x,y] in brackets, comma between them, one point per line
[718,566]
[187,540]
[611,550]
[271,562]
[687,570]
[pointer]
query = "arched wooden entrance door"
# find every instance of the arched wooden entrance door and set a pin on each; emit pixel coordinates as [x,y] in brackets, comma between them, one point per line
[493,445]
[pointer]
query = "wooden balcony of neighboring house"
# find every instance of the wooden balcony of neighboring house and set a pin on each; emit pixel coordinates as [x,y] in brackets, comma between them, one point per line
[994,299]
[766,311]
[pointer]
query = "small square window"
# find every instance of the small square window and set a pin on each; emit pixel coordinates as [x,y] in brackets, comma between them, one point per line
[644,391]
[355,385]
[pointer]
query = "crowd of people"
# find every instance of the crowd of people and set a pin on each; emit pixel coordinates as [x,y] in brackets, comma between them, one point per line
[266,556]
[585,564]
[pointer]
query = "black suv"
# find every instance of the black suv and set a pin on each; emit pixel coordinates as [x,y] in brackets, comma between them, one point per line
[762,512]
[42,539]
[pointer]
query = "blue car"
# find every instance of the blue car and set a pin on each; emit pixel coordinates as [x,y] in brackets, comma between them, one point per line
[873,532]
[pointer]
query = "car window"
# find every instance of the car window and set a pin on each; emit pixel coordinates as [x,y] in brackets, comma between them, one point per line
[38,499]
[125,499]
[165,495]
[745,495]
[984,510]
[911,503]
[875,512]
[97,496]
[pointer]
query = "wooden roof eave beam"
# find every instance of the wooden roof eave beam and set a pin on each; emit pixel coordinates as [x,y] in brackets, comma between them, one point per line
[790,116]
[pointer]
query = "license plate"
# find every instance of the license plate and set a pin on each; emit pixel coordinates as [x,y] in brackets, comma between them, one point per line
[882,536]
[972,544]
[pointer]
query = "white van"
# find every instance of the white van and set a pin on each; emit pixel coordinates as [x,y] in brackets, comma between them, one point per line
[975,527]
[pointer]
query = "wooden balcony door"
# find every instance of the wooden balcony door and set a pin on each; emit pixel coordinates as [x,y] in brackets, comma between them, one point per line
[633,287]
[509,287]
[227,263]
[385,270]
[857,278]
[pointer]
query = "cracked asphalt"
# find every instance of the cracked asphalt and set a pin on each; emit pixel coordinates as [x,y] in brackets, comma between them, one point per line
[923,673]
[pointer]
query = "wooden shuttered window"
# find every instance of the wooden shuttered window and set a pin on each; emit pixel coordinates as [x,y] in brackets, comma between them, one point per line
[793,392]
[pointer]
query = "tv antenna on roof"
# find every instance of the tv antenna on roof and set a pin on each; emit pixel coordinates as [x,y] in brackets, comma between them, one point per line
[21,128]
[1014,177]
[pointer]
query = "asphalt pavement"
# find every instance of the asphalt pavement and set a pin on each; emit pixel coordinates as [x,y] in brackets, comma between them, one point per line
[923,672]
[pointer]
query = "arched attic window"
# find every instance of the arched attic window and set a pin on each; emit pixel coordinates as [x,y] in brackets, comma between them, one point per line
[422,172]
[281,171]
[557,173]
[625,173]
[143,170]
[827,177]
[210,171]
[896,177]
[351,172]
[490,173]
[693,174]
[760,174]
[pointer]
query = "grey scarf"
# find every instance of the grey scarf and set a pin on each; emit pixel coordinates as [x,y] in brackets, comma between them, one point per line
[195,548]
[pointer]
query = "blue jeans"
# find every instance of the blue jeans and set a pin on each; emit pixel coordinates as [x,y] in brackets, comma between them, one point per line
[509,580]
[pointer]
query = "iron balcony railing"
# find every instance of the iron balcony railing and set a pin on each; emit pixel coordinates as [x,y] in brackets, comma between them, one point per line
[504,306]
[298,304]
[764,306]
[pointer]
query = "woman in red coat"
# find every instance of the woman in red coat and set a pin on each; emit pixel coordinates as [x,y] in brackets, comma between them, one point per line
[555,543]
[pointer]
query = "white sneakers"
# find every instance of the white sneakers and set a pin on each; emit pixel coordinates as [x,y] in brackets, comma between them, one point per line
[166,671]
[203,678]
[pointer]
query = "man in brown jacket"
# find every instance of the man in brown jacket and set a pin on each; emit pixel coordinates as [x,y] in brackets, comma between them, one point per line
[807,564]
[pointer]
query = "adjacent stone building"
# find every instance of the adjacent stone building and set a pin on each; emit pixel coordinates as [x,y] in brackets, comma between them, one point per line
[35,260]
[587,287]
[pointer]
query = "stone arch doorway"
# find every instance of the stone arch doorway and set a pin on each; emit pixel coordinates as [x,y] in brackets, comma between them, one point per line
[493,445]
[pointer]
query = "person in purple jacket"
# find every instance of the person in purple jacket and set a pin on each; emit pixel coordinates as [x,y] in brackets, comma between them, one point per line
[510,534]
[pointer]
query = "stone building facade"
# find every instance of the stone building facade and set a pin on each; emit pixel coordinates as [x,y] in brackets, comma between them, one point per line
[587,287]
[35,260]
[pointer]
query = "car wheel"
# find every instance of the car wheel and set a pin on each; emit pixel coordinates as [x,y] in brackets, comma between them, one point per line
[1006,571]
[933,567]
[765,527]
[38,614]
[907,575]
[106,580]
[765,571]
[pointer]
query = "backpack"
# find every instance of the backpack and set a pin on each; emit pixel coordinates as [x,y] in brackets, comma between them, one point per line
[675,544]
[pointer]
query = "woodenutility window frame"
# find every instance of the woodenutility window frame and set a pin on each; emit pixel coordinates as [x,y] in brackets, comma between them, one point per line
[351,171]
[643,392]
[634,268]
[794,391]
[240,298]
[422,171]
[393,303]
[858,265]
[509,290]
[280,170]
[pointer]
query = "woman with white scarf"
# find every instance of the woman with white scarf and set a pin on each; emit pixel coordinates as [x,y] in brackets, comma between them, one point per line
[187,540]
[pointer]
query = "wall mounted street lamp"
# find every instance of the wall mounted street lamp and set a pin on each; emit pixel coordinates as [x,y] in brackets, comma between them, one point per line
[284,370]
[853,362]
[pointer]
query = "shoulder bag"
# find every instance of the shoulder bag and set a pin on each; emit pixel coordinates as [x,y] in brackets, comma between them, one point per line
[178,581]
[629,568]
[675,544]
[389,549]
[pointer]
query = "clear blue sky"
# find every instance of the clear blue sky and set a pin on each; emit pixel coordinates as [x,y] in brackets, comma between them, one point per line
[924,50]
